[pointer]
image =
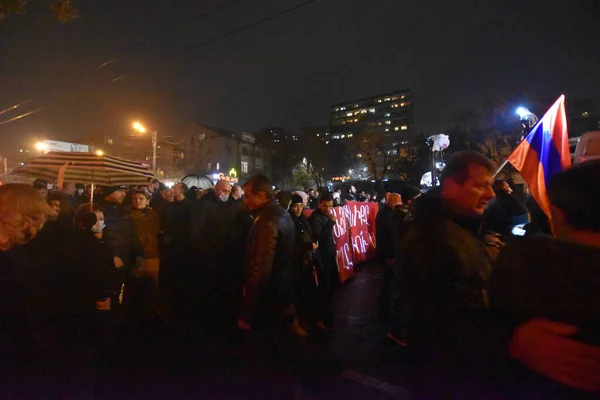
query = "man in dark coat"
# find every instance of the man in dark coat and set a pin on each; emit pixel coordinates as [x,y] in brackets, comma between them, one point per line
[304,272]
[268,290]
[447,269]
[557,279]
[322,221]
[211,233]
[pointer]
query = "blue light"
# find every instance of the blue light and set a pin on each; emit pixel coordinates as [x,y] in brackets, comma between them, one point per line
[523,113]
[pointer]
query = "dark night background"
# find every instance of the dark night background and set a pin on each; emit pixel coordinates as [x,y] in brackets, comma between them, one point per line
[286,71]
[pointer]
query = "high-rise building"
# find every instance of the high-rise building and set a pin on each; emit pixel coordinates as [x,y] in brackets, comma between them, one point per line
[390,114]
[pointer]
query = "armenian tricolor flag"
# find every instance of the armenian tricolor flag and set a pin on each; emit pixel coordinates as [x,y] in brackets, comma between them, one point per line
[544,152]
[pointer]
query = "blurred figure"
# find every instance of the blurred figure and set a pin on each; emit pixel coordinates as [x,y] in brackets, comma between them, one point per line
[504,212]
[81,196]
[147,227]
[386,240]
[59,202]
[237,193]
[284,198]
[69,190]
[41,185]
[556,279]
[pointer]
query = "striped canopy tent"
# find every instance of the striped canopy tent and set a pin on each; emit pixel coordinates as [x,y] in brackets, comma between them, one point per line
[86,168]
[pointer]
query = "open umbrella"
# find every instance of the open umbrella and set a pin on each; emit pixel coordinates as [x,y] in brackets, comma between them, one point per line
[200,181]
[86,168]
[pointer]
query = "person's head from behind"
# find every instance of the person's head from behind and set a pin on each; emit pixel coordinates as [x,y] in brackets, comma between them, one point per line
[236,192]
[297,205]
[284,198]
[41,185]
[501,186]
[326,203]
[88,189]
[140,200]
[410,193]
[114,194]
[259,191]
[69,188]
[223,190]
[467,183]
[23,213]
[574,198]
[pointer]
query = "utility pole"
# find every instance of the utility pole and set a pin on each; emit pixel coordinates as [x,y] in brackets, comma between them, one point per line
[5,170]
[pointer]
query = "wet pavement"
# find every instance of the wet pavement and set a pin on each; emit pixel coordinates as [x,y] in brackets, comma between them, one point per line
[355,361]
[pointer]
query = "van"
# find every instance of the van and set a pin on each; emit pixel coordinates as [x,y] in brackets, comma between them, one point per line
[588,147]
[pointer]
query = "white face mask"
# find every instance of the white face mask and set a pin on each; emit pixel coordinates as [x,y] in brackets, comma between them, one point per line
[80,191]
[224,198]
[99,227]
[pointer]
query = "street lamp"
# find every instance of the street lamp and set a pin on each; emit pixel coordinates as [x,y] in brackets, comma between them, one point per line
[99,153]
[528,119]
[141,129]
[41,146]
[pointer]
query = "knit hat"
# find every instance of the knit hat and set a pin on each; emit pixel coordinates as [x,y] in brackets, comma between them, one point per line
[108,190]
[296,198]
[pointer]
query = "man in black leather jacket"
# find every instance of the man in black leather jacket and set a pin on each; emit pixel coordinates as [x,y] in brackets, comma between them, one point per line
[268,288]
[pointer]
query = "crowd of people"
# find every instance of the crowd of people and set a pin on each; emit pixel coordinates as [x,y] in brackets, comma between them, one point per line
[483,313]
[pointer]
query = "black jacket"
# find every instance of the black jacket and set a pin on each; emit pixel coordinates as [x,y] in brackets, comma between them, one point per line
[119,233]
[322,228]
[447,271]
[303,244]
[504,212]
[268,285]
[175,225]
[385,233]
[552,279]
[211,224]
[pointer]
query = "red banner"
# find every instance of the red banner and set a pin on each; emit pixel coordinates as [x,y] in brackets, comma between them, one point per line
[354,235]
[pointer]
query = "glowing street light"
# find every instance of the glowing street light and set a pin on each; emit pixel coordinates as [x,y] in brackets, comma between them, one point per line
[141,129]
[99,153]
[41,146]
[528,119]
[522,112]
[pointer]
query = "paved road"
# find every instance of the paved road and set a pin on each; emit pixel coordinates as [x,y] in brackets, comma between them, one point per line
[356,361]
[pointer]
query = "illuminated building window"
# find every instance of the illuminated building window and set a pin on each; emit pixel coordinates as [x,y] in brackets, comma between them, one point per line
[397,128]
[342,108]
[585,114]
[395,105]
[387,99]
[387,114]
[388,122]
[380,123]
[404,127]
[317,135]
[379,101]
[394,98]
[336,136]
[209,166]
[402,104]
[403,96]
[343,136]
[350,135]
[356,120]
[348,114]
[110,141]
[356,106]
[371,110]
[218,166]
[387,129]
[363,111]
[244,167]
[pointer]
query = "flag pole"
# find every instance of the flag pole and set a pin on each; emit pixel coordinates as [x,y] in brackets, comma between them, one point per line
[501,167]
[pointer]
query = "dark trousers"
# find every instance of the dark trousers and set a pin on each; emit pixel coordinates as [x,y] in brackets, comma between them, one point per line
[328,283]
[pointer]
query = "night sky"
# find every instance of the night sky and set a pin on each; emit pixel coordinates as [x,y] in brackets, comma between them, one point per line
[288,70]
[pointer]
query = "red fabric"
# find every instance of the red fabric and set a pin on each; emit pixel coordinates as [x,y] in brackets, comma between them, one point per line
[354,235]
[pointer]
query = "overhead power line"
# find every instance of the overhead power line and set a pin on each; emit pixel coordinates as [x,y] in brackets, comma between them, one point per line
[248,26]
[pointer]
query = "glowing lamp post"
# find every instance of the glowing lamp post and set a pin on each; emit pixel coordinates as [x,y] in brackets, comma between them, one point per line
[528,119]
[141,129]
